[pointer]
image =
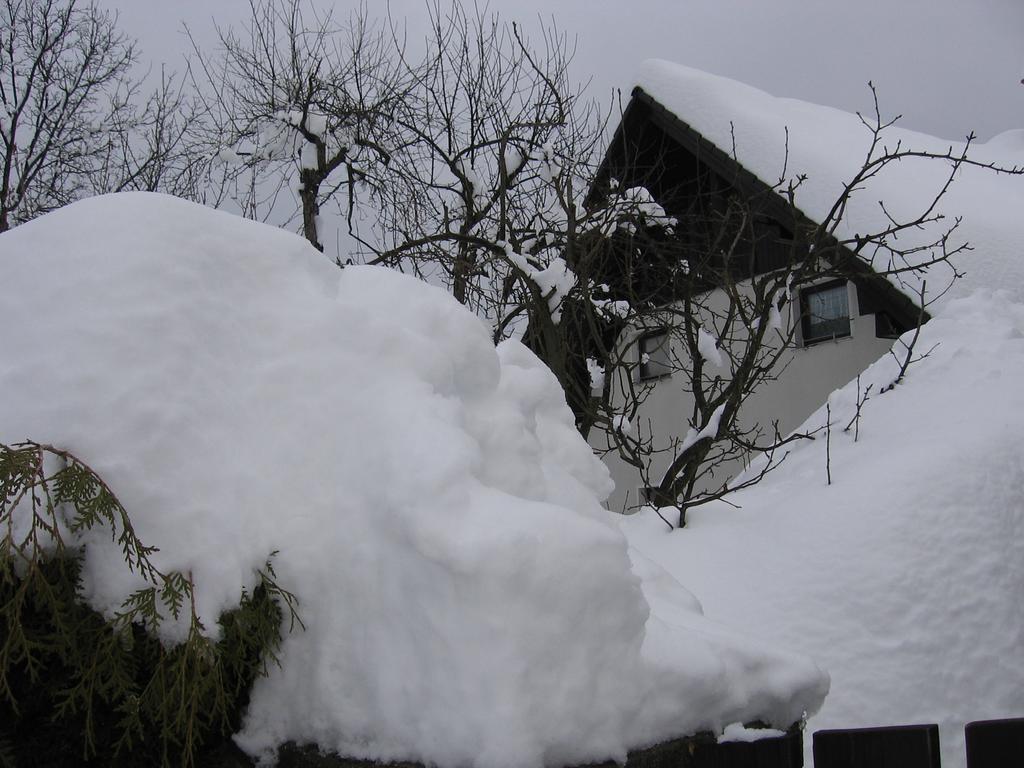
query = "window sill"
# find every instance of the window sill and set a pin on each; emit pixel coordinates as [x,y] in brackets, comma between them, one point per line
[824,340]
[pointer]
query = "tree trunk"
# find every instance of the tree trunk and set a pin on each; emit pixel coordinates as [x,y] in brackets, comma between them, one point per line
[309,193]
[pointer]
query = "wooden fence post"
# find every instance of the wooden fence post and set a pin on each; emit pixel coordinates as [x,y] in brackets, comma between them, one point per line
[900,746]
[995,743]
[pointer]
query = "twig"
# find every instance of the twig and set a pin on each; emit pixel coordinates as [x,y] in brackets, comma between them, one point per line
[828,442]
[861,399]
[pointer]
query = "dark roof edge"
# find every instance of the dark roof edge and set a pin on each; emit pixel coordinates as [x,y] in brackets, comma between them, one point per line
[730,168]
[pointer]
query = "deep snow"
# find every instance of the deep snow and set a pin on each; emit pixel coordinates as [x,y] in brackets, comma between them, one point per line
[467,600]
[905,577]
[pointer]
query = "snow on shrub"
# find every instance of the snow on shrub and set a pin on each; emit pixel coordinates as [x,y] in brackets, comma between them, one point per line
[466,600]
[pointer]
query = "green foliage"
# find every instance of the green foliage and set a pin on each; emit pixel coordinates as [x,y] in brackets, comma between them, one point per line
[76,688]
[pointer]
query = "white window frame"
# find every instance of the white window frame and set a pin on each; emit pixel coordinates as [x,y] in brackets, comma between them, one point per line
[658,364]
[804,309]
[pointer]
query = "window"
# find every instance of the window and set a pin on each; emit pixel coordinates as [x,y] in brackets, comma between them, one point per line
[655,357]
[886,327]
[825,312]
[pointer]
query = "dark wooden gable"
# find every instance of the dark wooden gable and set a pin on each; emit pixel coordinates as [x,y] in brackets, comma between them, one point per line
[694,180]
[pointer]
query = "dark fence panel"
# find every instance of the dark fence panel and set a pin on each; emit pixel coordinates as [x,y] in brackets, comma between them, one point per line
[901,746]
[995,743]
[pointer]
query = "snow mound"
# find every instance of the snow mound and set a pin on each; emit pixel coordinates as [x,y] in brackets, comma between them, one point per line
[467,600]
[775,137]
[904,576]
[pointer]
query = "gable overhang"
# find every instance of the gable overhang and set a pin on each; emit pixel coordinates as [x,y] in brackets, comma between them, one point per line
[643,107]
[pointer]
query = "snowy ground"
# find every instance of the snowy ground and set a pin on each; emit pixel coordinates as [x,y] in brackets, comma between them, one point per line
[468,601]
[904,578]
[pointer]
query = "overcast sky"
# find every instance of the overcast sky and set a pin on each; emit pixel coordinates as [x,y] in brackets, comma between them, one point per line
[949,66]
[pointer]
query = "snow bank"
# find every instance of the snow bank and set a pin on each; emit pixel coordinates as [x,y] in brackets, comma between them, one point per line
[830,146]
[904,578]
[467,600]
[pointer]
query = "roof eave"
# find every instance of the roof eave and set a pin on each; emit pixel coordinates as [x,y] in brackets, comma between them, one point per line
[773,202]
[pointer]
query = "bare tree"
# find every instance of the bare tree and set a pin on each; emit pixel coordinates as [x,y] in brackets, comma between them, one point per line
[72,119]
[492,123]
[298,102]
[61,70]
[498,148]
[150,142]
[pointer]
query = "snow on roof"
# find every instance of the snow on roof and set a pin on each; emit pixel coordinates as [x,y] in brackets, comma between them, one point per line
[467,600]
[905,576]
[830,146]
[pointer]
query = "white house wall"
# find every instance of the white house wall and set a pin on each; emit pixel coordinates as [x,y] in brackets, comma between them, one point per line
[808,376]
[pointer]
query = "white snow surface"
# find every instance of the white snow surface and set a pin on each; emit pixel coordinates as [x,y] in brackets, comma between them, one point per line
[905,576]
[737,732]
[467,600]
[710,430]
[707,346]
[555,281]
[596,373]
[830,146]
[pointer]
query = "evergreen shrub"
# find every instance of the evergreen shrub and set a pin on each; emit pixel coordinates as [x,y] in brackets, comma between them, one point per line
[77,688]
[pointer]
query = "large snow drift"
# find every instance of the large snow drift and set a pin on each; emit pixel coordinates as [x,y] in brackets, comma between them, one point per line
[777,137]
[905,576]
[468,602]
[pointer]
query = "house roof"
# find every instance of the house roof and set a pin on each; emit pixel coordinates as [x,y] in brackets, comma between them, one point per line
[774,138]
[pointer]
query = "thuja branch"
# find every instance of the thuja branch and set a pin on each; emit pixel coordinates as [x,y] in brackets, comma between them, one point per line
[93,672]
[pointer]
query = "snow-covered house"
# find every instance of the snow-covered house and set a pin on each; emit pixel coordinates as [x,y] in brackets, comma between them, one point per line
[695,140]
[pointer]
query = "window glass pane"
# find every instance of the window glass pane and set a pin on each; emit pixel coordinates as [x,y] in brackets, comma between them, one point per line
[826,313]
[655,357]
[828,305]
